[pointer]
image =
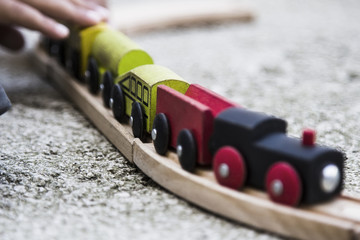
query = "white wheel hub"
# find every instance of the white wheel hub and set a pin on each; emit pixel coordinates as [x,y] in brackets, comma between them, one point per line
[224,170]
[111,103]
[277,187]
[179,150]
[131,121]
[154,134]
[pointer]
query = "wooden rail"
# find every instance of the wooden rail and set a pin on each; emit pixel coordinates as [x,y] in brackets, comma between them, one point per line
[337,219]
[152,15]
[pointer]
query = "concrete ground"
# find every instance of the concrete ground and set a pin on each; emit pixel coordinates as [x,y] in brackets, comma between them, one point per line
[61,179]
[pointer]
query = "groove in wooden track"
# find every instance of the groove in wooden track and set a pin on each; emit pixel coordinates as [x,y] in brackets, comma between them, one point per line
[337,219]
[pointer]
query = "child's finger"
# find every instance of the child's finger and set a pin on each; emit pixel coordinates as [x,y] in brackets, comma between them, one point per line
[66,10]
[19,14]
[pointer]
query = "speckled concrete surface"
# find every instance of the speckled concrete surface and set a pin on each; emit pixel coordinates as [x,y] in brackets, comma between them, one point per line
[61,179]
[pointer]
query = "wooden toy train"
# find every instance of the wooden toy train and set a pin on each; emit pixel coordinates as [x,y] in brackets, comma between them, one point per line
[242,146]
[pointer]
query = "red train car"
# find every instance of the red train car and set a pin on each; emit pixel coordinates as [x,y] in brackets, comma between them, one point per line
[185,122]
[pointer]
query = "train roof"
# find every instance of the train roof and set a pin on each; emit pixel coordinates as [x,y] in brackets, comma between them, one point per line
[116,52]
[153,74]
[255,124]
[293,147]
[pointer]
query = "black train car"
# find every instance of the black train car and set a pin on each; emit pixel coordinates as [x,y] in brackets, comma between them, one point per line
[291,170]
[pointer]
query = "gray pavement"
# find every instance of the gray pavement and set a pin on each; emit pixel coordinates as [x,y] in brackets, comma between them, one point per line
[61,179]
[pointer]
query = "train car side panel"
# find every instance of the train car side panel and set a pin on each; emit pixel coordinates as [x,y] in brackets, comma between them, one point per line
[88,36]
[186,113]
[140,85]
[309,161]
[152,76]
[215,102]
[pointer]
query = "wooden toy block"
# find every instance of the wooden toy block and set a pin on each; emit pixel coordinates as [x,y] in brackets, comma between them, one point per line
[140,85]
[214,101]
[87,37]
[183,112]
[115,53]
[190,121]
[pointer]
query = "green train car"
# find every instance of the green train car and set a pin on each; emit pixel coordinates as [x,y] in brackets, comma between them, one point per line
[109,61]
[135,94]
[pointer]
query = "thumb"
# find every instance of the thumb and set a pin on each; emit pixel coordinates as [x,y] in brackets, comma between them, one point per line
[11,38]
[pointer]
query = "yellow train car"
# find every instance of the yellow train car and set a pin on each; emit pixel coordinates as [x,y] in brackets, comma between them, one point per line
[73,52]
[135,93]
[84,39]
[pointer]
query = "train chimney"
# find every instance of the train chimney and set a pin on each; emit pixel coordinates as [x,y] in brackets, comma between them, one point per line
[308,137]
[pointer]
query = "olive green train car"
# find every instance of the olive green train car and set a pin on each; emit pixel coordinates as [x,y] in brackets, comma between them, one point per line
[135,93]
[111,54]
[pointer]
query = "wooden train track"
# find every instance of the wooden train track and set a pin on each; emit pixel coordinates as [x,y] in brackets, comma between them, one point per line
[143,17]
[337,219]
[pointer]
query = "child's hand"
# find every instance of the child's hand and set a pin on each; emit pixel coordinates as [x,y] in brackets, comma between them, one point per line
[42,15]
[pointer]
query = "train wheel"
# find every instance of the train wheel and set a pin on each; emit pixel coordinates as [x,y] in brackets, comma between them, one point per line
[186,150]
[61,58]
[283,184]
[46,44]
[160,133]
[92,76]
[106,88]
[137,120]
[54,48]
[117,103]
[229,167]
[73,64]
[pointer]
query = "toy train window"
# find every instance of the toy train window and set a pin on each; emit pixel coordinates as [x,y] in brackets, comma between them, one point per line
[126,84]
[146,96]
[139,91]
[133,86]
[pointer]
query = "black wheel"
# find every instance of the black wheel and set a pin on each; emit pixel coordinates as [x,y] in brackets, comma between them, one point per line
[107,87]
[73,64]
[137,120]
[92,76]
[61,57]
[160,133]
[57,50]
[186,150]
[46,44]
[54,48]
[117,103]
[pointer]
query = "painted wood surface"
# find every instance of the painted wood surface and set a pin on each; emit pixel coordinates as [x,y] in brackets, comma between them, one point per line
[215,102]
[337,219]
[184,112]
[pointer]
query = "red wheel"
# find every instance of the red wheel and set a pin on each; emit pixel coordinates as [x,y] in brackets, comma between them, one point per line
[229,167]
[283,184]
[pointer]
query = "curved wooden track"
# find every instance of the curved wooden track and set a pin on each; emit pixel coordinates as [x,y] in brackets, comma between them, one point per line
[337,219]
[140,17]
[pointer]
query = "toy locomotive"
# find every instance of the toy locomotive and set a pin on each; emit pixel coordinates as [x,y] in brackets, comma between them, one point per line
[242,146]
